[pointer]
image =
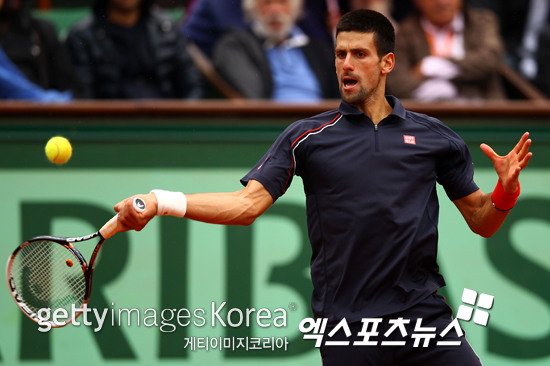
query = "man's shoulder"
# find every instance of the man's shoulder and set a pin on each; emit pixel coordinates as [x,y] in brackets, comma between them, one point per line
[313,124]
[319,119]
[432,125]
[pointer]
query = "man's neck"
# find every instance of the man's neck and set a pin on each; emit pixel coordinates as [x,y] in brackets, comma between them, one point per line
[376,108]
[124,18]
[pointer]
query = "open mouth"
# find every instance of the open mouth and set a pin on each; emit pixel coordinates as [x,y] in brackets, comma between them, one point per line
[349,83]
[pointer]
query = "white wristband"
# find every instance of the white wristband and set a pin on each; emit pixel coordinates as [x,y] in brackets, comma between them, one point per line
[170,203]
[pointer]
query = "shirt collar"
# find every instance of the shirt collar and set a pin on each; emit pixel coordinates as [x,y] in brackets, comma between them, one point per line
[397,108]
[456,26]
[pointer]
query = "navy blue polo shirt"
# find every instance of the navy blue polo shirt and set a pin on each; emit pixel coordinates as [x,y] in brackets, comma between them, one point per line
[372,207]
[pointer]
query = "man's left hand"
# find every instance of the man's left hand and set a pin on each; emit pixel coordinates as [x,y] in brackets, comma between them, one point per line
[509,166]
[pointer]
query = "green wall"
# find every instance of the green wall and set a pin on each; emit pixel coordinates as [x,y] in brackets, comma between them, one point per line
[175,263]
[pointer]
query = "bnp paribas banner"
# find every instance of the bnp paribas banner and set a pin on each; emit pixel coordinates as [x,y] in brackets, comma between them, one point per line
[188,293]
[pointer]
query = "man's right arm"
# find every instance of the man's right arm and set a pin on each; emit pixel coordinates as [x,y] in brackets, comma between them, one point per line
[233,208]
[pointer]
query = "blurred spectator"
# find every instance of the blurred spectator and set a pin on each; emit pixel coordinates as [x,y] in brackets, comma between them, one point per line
[513,17]
[384,7]
[14,85]
[524,29]
[395,10]
[542,80]
[32,45]
[126,50]
[274,58]
[447,51]
[208,20]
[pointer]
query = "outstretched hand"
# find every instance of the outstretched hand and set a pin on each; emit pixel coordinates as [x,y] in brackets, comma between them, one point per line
[509,166]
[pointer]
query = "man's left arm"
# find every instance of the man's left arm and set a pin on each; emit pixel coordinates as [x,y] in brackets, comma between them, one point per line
[485,212]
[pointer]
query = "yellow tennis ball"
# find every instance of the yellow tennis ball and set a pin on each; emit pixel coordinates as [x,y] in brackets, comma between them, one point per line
[59,150]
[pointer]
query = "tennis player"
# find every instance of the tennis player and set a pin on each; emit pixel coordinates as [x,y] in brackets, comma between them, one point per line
[369,170]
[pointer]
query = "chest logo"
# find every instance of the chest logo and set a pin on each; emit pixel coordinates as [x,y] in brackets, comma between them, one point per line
[409,140]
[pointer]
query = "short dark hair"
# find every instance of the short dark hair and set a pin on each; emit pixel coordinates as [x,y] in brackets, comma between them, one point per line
[370,21]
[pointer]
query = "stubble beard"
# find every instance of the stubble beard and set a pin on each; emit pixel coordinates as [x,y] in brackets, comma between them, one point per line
[355,99]
[363,96]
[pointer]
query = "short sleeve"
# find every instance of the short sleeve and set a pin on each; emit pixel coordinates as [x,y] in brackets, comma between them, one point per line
[455,170]
[275,169]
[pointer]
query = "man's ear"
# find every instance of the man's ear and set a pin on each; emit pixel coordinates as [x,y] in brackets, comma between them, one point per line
[387,62]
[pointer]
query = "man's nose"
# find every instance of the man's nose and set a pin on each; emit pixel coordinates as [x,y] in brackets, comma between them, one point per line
[347,65]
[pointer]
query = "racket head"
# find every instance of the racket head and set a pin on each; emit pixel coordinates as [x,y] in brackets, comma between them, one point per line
[48,272]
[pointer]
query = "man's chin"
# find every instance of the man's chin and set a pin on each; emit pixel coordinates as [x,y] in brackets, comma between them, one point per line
[352,98]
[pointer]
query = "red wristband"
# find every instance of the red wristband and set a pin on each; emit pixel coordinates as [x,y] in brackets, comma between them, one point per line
[503,201]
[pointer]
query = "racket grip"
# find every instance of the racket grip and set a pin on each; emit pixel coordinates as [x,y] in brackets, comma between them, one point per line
[110,228]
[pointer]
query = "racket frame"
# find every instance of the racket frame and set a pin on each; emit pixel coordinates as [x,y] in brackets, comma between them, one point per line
[109,229]
[86,268]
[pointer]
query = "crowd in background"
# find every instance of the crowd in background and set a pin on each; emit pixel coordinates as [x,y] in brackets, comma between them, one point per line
[274,49]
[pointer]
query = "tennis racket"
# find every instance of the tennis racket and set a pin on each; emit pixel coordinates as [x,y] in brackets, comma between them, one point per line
[49,272]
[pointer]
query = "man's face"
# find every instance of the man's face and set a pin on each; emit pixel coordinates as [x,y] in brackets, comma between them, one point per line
[276,16]
[439,12]
[125,4]
[358,67]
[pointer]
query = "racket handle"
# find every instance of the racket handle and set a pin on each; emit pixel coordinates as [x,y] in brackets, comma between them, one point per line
[110,228]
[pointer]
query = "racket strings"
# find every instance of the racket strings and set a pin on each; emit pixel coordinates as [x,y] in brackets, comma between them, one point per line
[44,280]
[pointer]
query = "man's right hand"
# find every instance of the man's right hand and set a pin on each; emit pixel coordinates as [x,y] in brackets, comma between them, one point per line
[129,218]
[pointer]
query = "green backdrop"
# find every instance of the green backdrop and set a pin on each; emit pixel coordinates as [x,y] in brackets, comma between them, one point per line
[175,263]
